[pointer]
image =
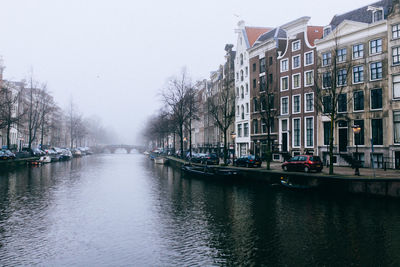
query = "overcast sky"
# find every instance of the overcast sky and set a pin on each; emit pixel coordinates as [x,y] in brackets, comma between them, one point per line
[114,56]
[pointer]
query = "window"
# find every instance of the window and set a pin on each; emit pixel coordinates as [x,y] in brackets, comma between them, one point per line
[342,103]
[378,15]
[270,78]
[255,105]
[247,71]
[375,46]
[247,108]
[254,67]
[359,138]
[284,83]
[296,62]
[239,130]
[327,132]
[327,103]
[296,45]
[396,31]
[237,91]
[254,83]
[241,59]
[284,125]
[396,86]
[247,88]
[358,51]
[309,78]
[241,75]
[263,84]
[327,30]
[263,103]
[271,101]
[270,61]
[284,65]
[376,71]
[358,74]
[326,59]
[296,81]
[237,111]
[342,77]
[309,58]
[377,132]
[242,112]
[358,98]
[246,130]
[255,126]
[341,55]
[263,126]
[242,92]
[326,80]
[395,55]
[296,104]
[284,105]
[310,132]
[309,105]
[262,65]
[376,98]
[296,132]
[396,126]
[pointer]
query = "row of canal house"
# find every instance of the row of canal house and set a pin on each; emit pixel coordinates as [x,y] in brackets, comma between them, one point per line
[283,78]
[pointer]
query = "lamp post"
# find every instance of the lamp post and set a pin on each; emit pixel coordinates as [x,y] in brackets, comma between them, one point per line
[233,135]
[356,130]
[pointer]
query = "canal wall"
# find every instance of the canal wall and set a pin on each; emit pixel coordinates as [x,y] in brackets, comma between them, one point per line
[13,163]
[383,187]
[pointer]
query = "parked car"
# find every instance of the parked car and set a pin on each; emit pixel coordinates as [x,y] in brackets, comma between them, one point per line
[210,159]
[22,154]
[248,161]
[304,163]
[197,157]
[7,154]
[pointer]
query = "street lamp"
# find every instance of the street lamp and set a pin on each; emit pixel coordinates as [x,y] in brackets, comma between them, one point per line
[356,130]
[233,135]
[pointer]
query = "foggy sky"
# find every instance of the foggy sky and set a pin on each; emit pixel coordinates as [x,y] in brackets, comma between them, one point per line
[113,57]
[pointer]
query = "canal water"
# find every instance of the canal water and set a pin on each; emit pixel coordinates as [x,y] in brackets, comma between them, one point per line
[122,210]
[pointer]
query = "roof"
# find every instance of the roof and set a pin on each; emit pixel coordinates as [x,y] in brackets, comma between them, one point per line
[275,33]
[254,32]
[314,33]
[361,14]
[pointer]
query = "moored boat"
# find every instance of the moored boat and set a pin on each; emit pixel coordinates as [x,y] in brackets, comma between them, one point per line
[206,171]
[288,183]
[160,160]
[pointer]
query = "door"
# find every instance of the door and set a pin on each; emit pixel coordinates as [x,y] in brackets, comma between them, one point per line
[342,139]
[284,142]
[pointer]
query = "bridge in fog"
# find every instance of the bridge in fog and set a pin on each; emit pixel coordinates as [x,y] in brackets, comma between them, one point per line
[113,148]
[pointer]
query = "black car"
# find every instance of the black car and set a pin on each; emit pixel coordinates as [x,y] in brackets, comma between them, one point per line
[248,161]
[210,159]
[197,157]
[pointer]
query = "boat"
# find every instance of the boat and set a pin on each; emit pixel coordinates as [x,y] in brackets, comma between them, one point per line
[206,171]
[45,159]
[286,182]
[160,160]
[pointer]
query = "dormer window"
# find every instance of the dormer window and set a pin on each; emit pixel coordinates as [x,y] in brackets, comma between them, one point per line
[327,31]
[377,15]
[296,45]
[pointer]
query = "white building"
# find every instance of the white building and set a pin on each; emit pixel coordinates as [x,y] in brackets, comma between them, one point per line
[246,38]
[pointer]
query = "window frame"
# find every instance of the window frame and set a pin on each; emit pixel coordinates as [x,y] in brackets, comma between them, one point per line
[328,60]
[287,105]
[293,85]
[398,55]
[370,71]
[397,31]
[305,58]
[370,99]
[323,80]
[293,60]
[393,86]
[306,104]
[306,132]
[294,43]
[338,104]
[342,55]
[376,47]
[354,102]
[305,78]
[293,104]
[282,64]
[281,87]
[353,74]
[352,51]
[294,132]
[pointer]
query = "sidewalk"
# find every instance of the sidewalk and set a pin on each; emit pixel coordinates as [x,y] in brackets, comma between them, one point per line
[364,172]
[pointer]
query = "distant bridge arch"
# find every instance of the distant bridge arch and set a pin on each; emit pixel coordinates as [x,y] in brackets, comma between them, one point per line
[113,148]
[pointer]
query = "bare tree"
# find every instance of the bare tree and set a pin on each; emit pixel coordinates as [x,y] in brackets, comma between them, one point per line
[9,112]
[175,97]
[33,102]
[330,85]
[222,107]
[46,108]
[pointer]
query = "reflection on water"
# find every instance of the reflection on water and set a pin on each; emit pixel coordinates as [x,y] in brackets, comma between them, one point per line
[123,210]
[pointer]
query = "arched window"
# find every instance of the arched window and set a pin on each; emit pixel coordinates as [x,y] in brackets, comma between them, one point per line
[241,59]
[242,91]
[241,75]
[242,112]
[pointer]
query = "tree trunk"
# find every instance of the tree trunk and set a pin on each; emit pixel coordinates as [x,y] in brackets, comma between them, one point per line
[225,147]
[190,137]
[331,146]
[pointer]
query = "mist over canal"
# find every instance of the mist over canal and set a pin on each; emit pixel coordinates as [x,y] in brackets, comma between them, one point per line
[121,210]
